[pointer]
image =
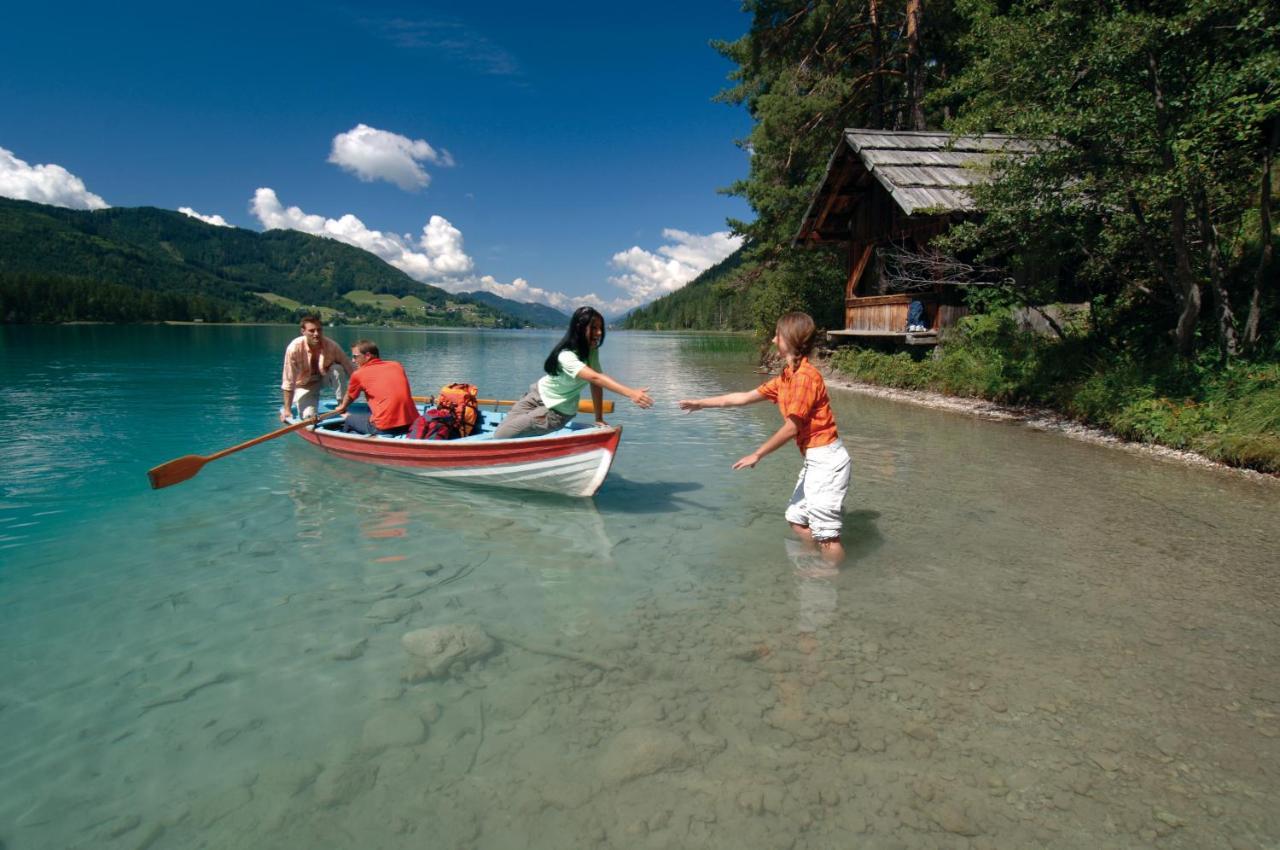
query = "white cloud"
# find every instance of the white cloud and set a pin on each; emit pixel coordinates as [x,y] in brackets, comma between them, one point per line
[373,154]
[207,219]
[518,290]
[437,257]
[437,254]
[647,275]
[45,184]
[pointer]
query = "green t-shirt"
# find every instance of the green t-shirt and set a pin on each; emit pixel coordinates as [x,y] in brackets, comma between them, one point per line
[560,392]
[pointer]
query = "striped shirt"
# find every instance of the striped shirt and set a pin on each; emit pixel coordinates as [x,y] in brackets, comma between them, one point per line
[303,368]
[800,393]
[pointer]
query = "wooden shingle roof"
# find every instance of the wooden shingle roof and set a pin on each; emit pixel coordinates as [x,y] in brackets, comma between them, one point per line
[931,170]
[925,173]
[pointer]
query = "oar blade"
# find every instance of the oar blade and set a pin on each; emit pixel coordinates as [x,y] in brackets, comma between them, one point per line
[175,471]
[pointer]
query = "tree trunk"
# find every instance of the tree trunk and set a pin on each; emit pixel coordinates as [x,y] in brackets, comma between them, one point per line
[877,64]
[1209,235]
[1252,328]
[1183,274]
[915,70]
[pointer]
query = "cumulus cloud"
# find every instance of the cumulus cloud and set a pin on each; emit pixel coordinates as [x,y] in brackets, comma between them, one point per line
[45,184]
[437,257]
[436,254]
[646,275]
[207,219]
[373,154]
[518,290]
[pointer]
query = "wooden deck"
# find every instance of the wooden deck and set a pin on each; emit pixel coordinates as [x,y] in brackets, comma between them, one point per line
[924,338]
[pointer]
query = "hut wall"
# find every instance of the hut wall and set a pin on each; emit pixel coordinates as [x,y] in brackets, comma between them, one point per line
[888,313]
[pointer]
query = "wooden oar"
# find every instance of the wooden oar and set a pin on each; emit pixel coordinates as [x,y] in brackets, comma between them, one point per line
[179,470]
[584,405]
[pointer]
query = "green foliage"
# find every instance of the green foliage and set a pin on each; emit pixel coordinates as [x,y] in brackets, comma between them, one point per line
[1230,413]
[164,252]
[1156,120]
[50,299]
[805,71]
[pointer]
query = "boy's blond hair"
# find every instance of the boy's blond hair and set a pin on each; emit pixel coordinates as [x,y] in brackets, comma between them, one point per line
[799,331]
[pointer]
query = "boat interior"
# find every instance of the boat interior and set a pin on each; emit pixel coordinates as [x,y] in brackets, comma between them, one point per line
[488,422]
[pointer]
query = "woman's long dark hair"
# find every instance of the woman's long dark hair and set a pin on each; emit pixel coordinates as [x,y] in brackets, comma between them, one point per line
[576,339]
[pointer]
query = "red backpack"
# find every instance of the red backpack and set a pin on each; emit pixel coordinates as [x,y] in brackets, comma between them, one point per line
[433,424]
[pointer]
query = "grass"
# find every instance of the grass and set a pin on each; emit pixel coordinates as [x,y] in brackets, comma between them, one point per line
[326,313]
[1227,413]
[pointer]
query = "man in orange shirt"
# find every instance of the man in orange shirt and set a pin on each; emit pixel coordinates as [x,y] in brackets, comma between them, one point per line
[386,387]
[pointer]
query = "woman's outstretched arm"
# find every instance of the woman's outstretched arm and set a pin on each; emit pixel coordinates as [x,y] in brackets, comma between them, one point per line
[600,379]
[727,400]
[780,438]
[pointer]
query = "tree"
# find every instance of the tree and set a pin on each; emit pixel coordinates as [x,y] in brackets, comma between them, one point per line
[1160,116]
[806,71]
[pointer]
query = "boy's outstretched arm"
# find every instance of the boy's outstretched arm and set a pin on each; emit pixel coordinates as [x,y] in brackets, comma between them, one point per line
[780,438]
[689,405]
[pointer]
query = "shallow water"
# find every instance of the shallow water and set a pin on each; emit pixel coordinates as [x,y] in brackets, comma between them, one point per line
[1035,642]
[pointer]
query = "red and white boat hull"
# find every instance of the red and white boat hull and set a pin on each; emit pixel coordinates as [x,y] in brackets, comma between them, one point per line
[573,464]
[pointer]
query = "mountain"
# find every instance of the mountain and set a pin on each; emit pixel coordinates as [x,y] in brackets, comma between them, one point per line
[719,299]
[58,264]
[535,315]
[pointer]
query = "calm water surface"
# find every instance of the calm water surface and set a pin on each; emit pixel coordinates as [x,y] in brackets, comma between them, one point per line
[1035,643]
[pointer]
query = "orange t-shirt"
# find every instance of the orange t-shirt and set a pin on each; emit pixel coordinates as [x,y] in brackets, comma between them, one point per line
[386,387]
[801,393]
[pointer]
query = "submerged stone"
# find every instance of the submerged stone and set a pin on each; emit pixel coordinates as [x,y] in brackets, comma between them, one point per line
[433,651]
[641,752]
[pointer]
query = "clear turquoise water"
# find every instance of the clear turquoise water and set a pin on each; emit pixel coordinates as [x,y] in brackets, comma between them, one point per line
[1035,642]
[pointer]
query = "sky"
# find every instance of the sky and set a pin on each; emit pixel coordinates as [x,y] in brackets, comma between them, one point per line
[566,153]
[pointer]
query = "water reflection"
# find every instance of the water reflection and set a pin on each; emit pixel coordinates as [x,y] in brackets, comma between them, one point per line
[1032,643]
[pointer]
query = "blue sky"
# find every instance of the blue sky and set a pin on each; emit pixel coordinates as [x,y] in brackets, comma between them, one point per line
[568,153]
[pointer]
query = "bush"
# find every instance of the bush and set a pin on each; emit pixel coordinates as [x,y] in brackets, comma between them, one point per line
[1228,413]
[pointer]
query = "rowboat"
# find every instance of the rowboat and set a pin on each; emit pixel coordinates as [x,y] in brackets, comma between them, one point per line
[572,461]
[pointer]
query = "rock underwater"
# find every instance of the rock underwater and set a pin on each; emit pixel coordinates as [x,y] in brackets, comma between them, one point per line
[434,651]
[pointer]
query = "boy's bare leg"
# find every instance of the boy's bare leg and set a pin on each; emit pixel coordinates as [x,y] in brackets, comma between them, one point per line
[803,532]
[832,550]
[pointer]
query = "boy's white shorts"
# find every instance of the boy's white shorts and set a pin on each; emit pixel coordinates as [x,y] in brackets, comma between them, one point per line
[820,491]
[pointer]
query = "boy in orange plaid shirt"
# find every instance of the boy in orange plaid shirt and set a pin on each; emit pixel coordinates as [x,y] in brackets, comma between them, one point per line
[801,396]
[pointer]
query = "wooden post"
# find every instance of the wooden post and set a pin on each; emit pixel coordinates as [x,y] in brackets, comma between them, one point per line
[859,267]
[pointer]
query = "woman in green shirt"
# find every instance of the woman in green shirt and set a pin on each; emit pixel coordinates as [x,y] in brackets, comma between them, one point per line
[552,400]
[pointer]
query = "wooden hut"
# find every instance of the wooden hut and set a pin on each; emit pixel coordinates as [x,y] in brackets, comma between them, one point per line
[886,189]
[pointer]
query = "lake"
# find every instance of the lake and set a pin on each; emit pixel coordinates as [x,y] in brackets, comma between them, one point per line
[1034,643]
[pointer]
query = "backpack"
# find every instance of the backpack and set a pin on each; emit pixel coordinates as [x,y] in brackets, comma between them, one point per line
[433,424]
[460,400]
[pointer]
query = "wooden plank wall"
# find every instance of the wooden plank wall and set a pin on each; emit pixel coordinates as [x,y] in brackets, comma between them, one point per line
[888,313]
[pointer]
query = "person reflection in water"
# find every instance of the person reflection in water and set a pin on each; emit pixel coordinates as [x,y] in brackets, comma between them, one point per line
[801,395]
[815,591]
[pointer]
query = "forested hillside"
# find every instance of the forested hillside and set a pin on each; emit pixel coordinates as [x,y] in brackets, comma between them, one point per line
[535,315]
[719,299]
[160,264]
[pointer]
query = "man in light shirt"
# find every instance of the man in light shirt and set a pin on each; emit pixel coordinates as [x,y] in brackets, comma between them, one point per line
[308,360]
